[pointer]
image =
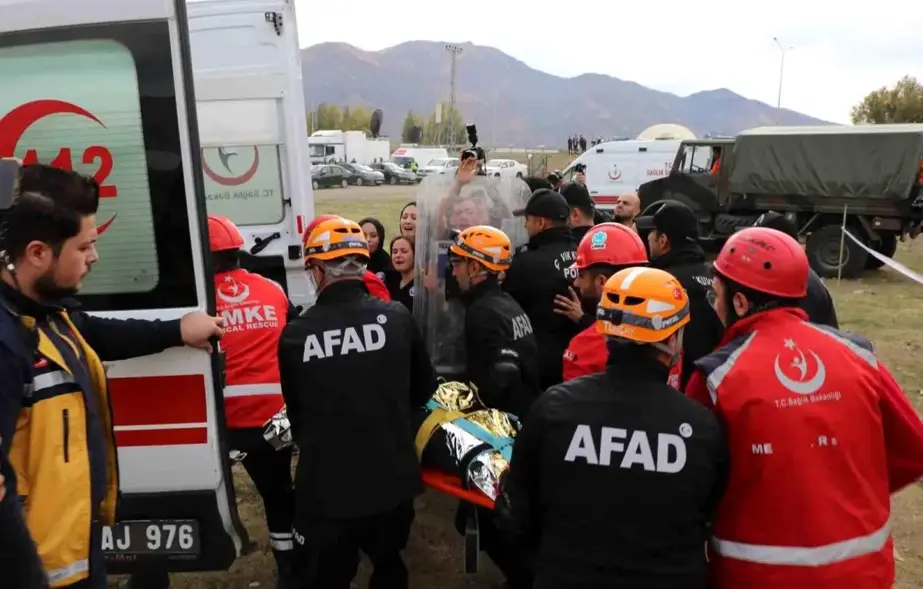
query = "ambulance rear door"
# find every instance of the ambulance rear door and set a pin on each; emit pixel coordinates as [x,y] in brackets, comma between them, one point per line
[251,111]
[617,167]
[104,87]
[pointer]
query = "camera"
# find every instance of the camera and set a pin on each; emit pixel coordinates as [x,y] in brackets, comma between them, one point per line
[474,151]
[580,168]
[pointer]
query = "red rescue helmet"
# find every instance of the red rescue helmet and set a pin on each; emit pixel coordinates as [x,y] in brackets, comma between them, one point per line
[610,243]
[223,234]
[765,260]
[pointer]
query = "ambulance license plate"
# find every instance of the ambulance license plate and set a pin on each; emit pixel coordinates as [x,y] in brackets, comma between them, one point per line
[163,536]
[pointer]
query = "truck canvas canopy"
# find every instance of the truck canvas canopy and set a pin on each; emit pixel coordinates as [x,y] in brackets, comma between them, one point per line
[880,162]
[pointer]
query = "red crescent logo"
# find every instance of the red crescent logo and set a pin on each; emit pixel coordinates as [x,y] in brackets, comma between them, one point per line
[615,173]
[233,181]
[16,122]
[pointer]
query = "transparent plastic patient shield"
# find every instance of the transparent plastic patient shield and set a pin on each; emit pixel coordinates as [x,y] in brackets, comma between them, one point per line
[444,206]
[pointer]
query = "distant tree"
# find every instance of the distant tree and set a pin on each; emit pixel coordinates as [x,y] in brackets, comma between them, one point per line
[357,119]
[327,117]
[411,121]
[901,103]
[330,117]
[441,134]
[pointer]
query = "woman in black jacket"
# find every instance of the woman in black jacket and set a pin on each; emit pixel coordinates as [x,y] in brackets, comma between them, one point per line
[379,260]
[400,279]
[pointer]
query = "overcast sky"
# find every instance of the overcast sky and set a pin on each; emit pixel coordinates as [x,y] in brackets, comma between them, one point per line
[838,53]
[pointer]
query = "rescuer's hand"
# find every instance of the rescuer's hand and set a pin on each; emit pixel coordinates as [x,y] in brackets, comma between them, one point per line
[198,328]
[580,178]
[570,306]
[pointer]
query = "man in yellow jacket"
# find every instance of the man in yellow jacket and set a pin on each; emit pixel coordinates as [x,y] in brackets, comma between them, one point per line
[54,384]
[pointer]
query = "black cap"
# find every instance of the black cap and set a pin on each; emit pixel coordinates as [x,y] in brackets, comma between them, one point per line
[779,222]
[578,197]
[672,218]
[545,203]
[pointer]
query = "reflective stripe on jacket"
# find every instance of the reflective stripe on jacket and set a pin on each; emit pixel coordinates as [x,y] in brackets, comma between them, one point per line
[818,434]
[51,454]
[254,309]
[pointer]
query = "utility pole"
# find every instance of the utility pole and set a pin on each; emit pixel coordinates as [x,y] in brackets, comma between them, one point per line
[453,51]
[784,49]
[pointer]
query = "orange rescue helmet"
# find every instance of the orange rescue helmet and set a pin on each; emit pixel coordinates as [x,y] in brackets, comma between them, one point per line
[313,224]
[765,260]
[223,234]
[335,238]
[610,243]
[642,305]
[485,244]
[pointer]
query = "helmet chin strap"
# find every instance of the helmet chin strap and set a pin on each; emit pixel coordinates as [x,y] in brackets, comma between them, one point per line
[675,351]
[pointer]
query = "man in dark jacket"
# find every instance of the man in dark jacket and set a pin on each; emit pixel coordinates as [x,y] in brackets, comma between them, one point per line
[542,270]
[616,475]
[818,303]
[582,209]
[501,360]
[51,356]
[353,369]
[672,235]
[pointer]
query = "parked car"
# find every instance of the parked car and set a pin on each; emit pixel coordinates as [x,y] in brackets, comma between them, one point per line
[363,174]
[330,175]
[394,174]
[506,168]
[439,165]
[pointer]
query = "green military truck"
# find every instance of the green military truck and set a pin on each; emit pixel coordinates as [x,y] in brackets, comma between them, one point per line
[814,175]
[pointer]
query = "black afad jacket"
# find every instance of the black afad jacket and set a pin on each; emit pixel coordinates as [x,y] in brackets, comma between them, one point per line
[353,371]
[613,481]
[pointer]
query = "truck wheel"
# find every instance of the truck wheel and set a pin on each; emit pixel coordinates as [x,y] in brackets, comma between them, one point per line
[823,249]
[314,184]
[887,247]
[393,180]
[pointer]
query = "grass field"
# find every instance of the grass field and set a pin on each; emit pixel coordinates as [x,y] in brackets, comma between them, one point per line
[884,307]
[551,161]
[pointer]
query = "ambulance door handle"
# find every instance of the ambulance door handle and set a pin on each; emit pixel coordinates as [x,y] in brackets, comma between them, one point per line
[220,376]
[262,242]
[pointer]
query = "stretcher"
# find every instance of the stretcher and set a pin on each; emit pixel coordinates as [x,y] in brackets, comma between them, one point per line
[452,485]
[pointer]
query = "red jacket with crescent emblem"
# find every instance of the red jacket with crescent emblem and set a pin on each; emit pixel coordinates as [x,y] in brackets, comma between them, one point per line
[255,310]
[587,354]
[819,435]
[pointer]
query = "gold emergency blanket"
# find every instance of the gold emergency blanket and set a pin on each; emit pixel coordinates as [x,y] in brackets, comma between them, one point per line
[478,440]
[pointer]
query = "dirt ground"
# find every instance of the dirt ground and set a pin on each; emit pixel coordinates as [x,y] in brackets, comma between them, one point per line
[883,306]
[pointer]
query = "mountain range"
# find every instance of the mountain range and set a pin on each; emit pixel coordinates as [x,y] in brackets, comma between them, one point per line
[514,104]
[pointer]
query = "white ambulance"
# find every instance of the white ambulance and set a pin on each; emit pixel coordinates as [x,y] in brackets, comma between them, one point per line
[250,103]
[105,87]
[617,167]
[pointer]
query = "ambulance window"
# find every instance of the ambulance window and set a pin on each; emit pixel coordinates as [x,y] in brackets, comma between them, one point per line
[101,100]
[244,183]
